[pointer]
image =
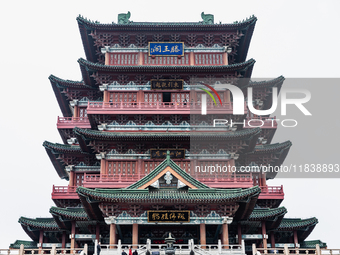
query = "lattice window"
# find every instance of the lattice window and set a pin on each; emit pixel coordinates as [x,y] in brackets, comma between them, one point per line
[123,97]
[82,112]
[180,97]
[79,179]
[153,97]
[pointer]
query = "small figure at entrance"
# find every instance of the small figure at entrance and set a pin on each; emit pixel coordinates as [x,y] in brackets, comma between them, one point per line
[130,251]
[98,249]
[123,252]
[135,252]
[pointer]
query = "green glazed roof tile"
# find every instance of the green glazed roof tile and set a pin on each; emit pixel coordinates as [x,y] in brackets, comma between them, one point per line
[312,244]
[27,244]
[296,223]
[266,213]
[106,135]
[70,213]
[172,196]
[40,223]
[100,67]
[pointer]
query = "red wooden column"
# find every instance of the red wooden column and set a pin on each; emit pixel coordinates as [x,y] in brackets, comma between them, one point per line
[73,233]
[203,235]
[239,233]
[134,235]
[63,240]
[272,239]
[41,240]
[296,241]
[102,164]
[192,58]
[71,177]
[225,235]
[225,232]
[264,233]
[98,232]
[113,240]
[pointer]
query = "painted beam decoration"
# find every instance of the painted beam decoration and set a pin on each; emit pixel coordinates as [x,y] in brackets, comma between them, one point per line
[166,49]
[169,216]
[161,153]
[167,84]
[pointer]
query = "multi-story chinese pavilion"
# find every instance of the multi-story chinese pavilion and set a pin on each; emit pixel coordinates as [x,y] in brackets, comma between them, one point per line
[136,147]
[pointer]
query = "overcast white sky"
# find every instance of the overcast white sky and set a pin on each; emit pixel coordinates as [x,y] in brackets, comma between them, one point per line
[39,38]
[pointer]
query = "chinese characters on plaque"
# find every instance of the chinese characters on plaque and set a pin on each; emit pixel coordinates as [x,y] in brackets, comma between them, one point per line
[166,49]
[168,216]
[165,84]
[161,153]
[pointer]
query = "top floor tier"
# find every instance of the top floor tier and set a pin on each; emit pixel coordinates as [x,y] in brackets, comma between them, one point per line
[128,34]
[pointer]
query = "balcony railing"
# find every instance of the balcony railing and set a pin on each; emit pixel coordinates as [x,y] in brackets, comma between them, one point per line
[271,192]
[71,122]
[94,107]
[64,192]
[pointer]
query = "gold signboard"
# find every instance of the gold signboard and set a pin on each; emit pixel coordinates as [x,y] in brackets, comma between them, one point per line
[168,216]
[167,84]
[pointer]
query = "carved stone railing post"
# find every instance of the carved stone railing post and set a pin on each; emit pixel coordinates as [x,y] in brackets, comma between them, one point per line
[21,250]
[254,249]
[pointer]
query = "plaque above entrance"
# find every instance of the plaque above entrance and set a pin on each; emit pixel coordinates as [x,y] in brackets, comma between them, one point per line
[168,216]
[166,49]
[166,84]
[161,153]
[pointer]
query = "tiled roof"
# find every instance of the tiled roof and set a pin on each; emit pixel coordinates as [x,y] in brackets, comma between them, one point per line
[61,83]
[266,213]
[62,148]
[312,244]
[269,83]
[27,244]
[39,223]
[293,224]
[106,135]
[144,68]
[272,147]
[70,213]
[169,196]
[166,25]
[167,162]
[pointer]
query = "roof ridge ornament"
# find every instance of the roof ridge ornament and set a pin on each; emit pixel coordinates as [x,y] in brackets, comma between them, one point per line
[207,18]
[123,18]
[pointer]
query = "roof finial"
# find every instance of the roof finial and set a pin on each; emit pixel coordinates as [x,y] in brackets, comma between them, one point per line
[168,156]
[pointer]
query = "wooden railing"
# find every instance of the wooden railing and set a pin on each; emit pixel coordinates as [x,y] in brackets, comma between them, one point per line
[157,106]
[272,189]
[71,122]
[64,189]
